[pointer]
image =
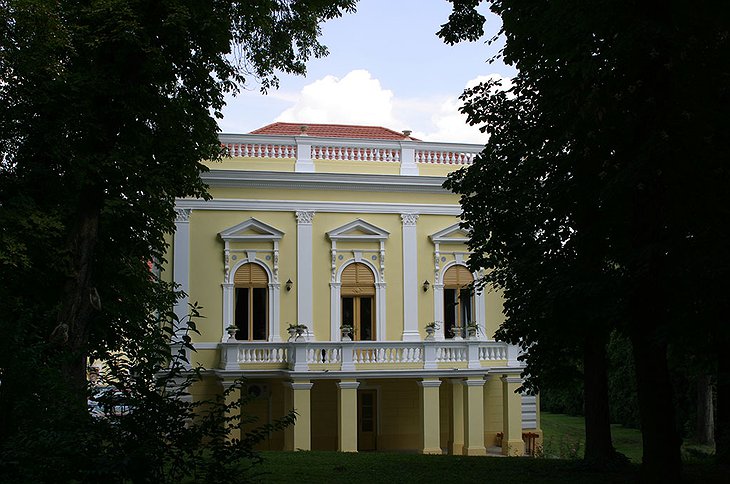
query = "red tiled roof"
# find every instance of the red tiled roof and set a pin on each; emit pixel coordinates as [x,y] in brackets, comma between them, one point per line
[333,131]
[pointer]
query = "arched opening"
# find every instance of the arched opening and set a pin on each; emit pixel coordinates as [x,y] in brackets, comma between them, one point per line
[358,301]
[251,303]
[458,300]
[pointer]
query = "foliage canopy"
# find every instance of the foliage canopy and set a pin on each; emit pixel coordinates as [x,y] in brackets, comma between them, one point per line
[107,109]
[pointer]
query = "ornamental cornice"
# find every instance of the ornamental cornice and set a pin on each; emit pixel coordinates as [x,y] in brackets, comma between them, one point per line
[324,181]
[319,206]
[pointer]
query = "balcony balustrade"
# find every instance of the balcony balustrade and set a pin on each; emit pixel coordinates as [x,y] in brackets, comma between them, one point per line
[366,355]
[307,149]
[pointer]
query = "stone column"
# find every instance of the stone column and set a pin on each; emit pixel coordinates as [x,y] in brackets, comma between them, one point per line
[474,411]
[456,419]
[347,415]
[305,295]
[410,277]
[299,435]
[512,443]
[430,424]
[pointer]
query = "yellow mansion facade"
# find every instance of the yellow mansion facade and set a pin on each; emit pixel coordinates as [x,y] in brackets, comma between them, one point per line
[323,256]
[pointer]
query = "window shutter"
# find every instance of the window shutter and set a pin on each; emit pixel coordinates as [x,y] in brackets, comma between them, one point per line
[357,279]
[250,275]
[457,276]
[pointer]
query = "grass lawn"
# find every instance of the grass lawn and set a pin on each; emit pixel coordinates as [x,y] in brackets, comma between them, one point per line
[565,437]
[369,467]
[563,434]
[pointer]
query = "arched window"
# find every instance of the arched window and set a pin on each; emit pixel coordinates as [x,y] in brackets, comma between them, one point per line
[251,306]
[358,301]
[458,300]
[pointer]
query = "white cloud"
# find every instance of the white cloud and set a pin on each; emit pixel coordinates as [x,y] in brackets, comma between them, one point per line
[358,98]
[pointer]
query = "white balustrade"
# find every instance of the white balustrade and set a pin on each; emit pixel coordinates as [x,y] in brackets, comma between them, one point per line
[364,355]
[346,149]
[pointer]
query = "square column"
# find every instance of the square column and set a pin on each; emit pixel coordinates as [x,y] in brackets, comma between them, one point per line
[456,419]
[512,443]
[430,424]
[297,398]
[347,415]
[233,402]
[474,412]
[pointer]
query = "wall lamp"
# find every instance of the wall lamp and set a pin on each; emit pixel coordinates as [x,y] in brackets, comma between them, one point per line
[288,285]
[426,285]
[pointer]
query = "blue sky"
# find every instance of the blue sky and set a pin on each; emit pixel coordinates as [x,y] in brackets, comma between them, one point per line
[386,67]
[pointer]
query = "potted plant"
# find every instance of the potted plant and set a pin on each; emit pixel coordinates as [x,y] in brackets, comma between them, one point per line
[346,332]
[431,329]
[457,332]
[296,330]
[472,330]
[232,330]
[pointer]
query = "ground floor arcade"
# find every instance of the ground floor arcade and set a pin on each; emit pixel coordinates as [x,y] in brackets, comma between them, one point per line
[463,414]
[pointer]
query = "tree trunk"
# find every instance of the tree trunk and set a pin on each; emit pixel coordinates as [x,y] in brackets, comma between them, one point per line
[722,422]
[705,430]
[662,458]
[79,299]
[599,447]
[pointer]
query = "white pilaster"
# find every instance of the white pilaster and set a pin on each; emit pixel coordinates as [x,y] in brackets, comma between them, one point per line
[228,298]
[410,277]
[335,315]
[274,325]
[181,260]
[305,295]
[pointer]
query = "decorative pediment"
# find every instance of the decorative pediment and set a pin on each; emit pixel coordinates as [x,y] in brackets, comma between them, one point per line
[251,229]
[450,235]
[358,230]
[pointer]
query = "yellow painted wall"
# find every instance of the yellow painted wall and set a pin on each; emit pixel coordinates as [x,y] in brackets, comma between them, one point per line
[399,426]
[372,167]
[324,415]
[257,164]
[492,409]
[206,269]
[436,169]
[207,266]
[333,196]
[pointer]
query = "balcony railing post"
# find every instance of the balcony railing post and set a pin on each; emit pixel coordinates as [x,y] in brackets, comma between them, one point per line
[347,350]
[229,356]
[513,351]
[408,159]
[472,348]
[298,356]
[304,161]
[429,355]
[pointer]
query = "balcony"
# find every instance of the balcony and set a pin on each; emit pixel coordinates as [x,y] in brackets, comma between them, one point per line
[367,356]
[307,149]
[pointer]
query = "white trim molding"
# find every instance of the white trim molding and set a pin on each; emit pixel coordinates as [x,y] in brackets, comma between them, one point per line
[336,301]
[251,230]
[319,206]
